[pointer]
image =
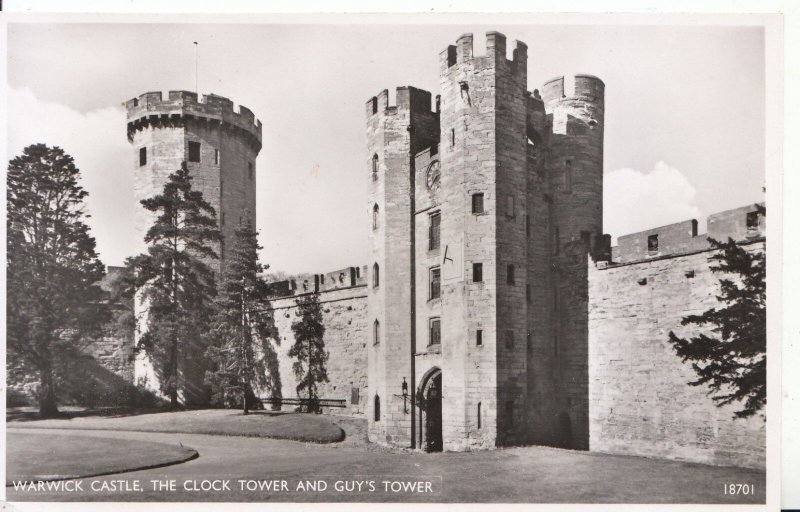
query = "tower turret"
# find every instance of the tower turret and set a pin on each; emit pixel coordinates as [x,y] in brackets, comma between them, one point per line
[220,146]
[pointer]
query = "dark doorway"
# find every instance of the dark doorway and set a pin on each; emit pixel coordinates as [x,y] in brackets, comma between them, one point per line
[433,413]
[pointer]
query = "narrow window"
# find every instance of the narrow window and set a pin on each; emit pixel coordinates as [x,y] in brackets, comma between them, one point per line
[376,333]
[250,171]
[435,283]
[377,408]
[479,415]
[477,272]
[556,241]
[510,274]
[452,137]
[479,337]
[376,275]
[652,243]
[568,176]
[375,167]
[509,339]
[477,203]
[752,220]
[194,151]
[142,156]
[375,211]
[374,105]
[434,231]
[435,331]
[216,157]
[510,206]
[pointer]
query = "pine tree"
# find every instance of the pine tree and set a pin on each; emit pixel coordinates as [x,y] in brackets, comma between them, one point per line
[242,327]
[53,301]
[175,282]
[309,349]
[731,356]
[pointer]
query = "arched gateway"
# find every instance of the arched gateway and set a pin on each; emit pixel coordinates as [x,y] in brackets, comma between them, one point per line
[430,406]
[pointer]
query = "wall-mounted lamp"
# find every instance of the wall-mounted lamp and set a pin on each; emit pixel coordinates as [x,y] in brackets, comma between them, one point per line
[404,396]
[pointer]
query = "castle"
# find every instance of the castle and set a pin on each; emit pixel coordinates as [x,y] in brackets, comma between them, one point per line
[493,310]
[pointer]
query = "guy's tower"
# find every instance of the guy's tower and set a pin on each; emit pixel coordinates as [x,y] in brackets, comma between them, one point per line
[220,146]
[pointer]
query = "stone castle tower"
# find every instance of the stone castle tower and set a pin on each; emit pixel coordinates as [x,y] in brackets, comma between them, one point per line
[484,211]
[220,146]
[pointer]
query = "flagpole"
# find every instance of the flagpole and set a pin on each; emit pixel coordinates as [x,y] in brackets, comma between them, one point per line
[196,91]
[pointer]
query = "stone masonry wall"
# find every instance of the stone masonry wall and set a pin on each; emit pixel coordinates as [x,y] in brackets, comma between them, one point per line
[346,336]
[640,402]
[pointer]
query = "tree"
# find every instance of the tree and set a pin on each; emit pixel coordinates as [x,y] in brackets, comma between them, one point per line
[731,356]
[174,279]
[309,349]
[242,326]
[53,301]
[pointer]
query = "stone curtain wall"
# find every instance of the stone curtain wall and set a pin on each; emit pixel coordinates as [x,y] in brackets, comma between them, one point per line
[640,402]
[346,337]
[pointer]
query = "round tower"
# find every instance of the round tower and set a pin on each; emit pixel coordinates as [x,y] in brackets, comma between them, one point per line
[220,146]
[575,159]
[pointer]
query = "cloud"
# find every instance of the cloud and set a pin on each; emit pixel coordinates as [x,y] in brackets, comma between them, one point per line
[634,200]
[97,141]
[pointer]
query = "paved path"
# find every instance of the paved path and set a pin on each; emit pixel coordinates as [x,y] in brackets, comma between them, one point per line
[515,475]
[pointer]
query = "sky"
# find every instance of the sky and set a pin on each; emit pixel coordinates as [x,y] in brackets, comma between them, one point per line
[684,132]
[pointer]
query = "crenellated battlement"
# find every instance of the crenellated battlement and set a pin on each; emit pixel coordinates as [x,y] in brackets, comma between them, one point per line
[741,224]
[153,107]
[587,87]
[317,283]
[462,51]
[408,98]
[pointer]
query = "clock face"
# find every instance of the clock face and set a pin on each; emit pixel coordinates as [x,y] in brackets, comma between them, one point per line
[433,175]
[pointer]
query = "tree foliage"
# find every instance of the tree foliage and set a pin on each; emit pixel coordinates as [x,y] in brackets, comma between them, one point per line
[53,301]
[309,349]
[730,356]
[242,328]
[174,280]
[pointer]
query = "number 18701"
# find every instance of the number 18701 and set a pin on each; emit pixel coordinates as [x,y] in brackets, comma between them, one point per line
[739,489]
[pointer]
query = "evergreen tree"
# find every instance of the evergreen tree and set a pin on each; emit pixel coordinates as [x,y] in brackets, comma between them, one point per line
[242,327]
[53,301]
[309,349]
[175,282]
[731,356]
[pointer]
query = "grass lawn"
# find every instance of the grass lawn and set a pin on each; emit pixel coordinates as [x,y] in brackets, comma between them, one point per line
[228,422]
[57,457]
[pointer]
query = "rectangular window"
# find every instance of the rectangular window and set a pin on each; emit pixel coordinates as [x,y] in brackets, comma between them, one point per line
[477,203]
[510,274]
[477,272]
[556,241]
[216,160]
[250,171]
[142,156]
[434,231]
[652,243]
[435,283]
[510,206]
[479,337]
[435,331]
[355,395]
[194,151]
[568,176]
[752,220]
